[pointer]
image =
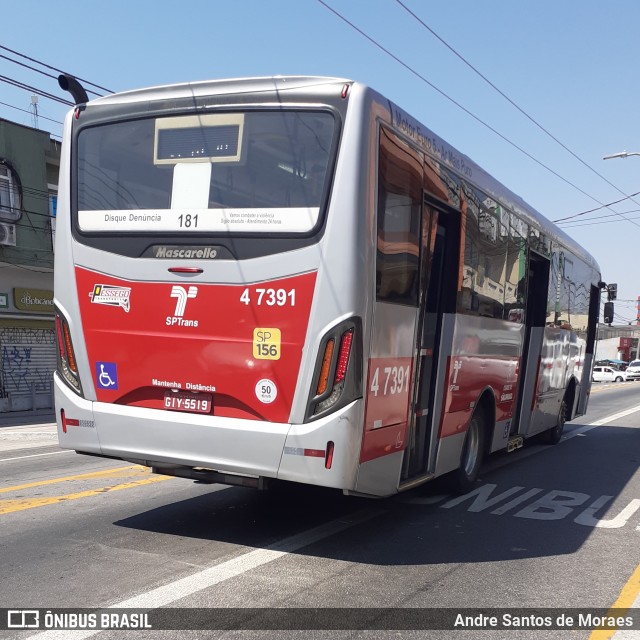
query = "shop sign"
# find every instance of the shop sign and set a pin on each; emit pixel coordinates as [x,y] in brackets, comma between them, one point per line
[34,300]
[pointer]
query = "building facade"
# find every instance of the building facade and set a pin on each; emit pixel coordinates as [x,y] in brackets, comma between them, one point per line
[618,343]
[29,165]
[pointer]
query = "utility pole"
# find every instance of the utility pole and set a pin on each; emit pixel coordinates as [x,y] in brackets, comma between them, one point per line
[626,154]
[34,111]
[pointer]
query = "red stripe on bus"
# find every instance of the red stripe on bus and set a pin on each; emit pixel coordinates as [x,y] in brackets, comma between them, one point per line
[242,343]
[387,406]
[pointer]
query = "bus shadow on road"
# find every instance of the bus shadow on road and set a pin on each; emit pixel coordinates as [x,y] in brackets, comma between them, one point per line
[546,504]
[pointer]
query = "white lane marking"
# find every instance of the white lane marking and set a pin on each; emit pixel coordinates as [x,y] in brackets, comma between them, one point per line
[37,455]
[169,593]
[615,416]
[493,466]
[599,423]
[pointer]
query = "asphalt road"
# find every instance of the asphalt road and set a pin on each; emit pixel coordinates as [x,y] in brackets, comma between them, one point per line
[551,528]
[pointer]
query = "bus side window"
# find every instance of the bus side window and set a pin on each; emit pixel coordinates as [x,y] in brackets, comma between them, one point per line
[485,253]
[516,276]
[398,232]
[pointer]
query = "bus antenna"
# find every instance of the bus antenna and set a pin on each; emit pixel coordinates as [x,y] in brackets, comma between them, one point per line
[70,84]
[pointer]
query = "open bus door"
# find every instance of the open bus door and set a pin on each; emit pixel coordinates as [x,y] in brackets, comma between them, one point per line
[437,296]
[535,318]
[391,361]
[413,413]
[415,249]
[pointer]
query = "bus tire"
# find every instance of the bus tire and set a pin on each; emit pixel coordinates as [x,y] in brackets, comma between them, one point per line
[554,435]
[463,479]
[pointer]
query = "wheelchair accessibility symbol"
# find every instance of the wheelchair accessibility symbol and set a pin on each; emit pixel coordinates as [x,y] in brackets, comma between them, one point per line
[106,375]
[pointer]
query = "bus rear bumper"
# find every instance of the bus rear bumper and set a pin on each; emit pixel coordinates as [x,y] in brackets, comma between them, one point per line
[325,452]
[174,441]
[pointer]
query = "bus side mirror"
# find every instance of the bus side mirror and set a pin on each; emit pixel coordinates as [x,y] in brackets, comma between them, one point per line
[608,313]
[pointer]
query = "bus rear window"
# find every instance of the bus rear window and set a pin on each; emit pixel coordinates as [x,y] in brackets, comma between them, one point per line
[240,172]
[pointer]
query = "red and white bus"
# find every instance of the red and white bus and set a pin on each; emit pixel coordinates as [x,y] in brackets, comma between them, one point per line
[291,278]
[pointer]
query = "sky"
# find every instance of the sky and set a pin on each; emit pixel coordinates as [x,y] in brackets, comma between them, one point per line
[570,65]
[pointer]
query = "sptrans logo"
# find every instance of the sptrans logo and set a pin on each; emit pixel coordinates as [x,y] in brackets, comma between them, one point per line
[182,294]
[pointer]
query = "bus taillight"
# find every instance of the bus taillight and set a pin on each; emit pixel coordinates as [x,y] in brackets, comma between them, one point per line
[67,366]
[323,380]
[338,378]
[343,357]
[71,359]
[61,349]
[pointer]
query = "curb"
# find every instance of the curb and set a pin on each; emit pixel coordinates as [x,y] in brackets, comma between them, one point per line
[25,418]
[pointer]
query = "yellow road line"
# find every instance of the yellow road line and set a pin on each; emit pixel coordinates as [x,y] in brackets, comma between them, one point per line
[83,476]
[22,504]
[627,596]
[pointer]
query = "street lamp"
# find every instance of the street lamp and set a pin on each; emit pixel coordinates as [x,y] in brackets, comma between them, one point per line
[622,154]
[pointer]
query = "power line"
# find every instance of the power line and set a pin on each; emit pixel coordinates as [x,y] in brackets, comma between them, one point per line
[458,104]
[32,192]
[448,97]
[29,212]
[44,94]
[582,213]
[30,226]
[43,64]
[6,104]
[27,249]
[40,194]
[589,224]
[524,113]
[15,265]
[629,320]
[44,73]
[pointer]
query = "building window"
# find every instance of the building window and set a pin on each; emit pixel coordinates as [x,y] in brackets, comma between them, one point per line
[10,200]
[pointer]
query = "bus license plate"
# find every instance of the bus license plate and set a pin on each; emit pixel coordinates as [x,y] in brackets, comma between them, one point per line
[196,403]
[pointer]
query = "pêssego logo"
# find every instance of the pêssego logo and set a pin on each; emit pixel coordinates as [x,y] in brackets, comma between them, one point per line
[185,253]
[111,296]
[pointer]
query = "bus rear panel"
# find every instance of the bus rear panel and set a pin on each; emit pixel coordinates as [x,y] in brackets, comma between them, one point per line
[289,278]
[197,285]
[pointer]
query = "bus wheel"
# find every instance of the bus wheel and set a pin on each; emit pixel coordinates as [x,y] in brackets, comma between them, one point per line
[554,435]
[465,476]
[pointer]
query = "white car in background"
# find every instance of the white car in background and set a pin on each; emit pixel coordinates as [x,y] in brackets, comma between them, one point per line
[609,374]
[633,370]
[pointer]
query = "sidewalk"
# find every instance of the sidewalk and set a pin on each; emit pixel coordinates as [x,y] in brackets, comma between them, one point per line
[28,430]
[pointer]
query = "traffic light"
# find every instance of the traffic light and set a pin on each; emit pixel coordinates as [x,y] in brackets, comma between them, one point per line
[608,313]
